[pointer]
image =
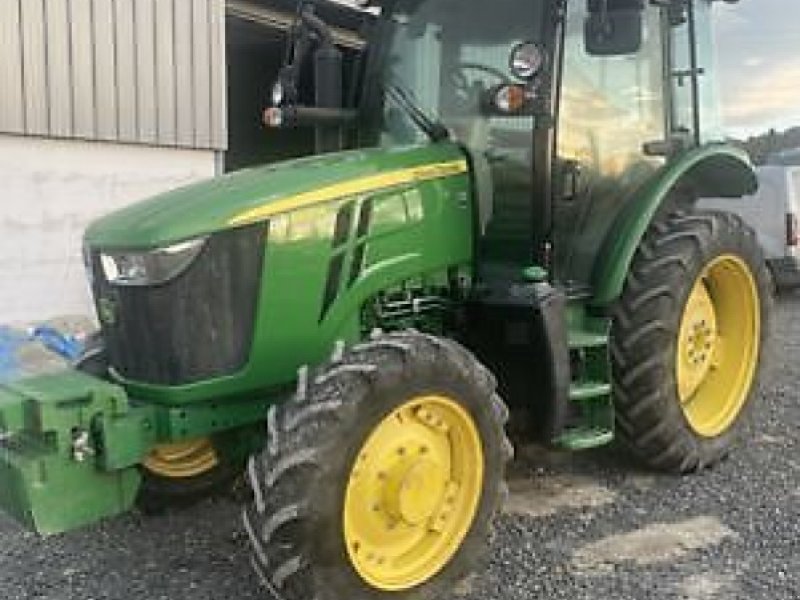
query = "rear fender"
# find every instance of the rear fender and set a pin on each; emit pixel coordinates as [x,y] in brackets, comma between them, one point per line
[717,170]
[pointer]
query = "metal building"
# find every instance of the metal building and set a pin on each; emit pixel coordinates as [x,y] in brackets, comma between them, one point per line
[133,71]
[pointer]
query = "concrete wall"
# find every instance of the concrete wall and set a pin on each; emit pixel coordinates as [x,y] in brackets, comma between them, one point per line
[49,191]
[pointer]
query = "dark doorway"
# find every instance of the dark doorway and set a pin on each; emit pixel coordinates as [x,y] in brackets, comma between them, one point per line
[256,41]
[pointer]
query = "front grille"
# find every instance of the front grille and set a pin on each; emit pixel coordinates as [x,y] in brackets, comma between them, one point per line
[194,327]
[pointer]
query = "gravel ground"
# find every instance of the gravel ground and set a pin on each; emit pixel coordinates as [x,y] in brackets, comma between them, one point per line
[590,525]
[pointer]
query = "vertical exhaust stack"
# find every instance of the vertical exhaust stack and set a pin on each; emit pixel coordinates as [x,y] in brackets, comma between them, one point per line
[327,84]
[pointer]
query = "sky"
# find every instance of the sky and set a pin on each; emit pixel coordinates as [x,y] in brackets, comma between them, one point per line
[758,54]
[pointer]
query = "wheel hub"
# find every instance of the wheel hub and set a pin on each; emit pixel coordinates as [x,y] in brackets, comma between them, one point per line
[414,490]
[413,493]
[718,345]
[698,340]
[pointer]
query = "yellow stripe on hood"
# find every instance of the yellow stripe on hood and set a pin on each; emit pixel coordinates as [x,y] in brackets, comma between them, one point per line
[361,185]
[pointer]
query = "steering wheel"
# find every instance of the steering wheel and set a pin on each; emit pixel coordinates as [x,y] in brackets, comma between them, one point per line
[462,85]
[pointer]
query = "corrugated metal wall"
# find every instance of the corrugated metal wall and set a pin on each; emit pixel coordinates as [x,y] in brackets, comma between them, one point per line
[138,71]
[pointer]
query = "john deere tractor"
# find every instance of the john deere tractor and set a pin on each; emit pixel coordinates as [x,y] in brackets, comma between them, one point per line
[502,204]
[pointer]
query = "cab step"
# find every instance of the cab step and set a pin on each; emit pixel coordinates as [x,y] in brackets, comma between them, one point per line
[579,339]
[590,420]
[589,390]
[583,438]
[592,400]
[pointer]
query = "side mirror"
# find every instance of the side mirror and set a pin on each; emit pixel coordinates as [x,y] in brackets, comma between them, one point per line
[613,32]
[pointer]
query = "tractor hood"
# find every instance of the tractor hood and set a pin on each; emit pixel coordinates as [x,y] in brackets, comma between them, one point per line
[255,194]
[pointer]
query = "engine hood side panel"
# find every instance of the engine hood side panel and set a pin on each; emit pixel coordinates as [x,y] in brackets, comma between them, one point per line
[255,194]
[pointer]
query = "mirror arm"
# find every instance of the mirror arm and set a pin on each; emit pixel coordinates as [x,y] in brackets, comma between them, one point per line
[309,31]
[317,26]
[301,42]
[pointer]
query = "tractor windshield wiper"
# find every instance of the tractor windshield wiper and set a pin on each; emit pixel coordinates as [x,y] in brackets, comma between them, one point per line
[434,129]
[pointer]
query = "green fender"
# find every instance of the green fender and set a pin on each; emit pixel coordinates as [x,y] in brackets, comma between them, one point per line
[715,170]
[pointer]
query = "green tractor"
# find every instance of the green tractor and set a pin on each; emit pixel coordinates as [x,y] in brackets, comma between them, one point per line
[503,206]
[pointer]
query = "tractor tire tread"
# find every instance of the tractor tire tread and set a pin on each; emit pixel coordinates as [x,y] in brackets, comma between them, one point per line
[644,321]
[305,431]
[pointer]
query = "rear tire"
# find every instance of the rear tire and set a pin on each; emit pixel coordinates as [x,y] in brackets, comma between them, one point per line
[670,373]
[298,522]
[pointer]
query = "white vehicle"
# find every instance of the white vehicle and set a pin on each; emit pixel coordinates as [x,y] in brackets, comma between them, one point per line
[773,213]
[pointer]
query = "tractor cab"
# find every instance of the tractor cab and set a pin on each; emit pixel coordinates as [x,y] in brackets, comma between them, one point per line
[565,110]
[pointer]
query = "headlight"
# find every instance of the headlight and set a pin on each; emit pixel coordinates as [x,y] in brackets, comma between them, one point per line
[151,267]
[527,60]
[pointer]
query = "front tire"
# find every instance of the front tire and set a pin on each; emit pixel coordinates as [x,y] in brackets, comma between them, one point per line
[687,339]
[181,474]
[381,476]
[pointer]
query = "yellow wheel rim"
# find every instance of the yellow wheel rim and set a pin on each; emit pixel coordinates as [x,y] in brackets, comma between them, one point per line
[182,459]
[718,345]
[413,492]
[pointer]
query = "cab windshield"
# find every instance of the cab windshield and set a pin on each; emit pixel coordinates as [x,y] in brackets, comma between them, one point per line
[443,56]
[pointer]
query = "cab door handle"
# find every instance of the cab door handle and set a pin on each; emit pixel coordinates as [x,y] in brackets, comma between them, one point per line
[571,171]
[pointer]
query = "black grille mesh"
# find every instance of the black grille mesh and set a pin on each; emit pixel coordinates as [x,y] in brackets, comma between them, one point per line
[194,327]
